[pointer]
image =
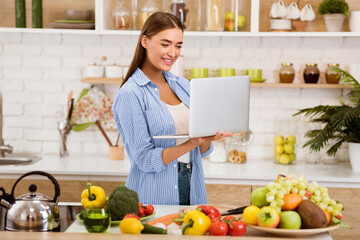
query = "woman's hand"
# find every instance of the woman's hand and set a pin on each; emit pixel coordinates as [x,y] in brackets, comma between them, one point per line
[205,140]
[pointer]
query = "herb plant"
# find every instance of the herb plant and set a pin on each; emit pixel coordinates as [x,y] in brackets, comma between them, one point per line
[341,123]
[333,6]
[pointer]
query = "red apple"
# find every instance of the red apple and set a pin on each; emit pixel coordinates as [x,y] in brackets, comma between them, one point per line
[267,217]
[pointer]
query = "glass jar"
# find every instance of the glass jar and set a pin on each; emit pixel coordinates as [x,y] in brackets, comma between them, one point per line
[196,15]
[178,8]
[121,16]
[219,153]
[146,11]
[215,15]
[235,15]
[311,73]
[287,73]
[284,149]
[236,147]
[331,76]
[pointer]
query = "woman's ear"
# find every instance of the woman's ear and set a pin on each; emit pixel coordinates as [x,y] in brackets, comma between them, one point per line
[143,41]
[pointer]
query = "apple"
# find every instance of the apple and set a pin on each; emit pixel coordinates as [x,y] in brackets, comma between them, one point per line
[292,157]
[229,16]
[229,25]
[258,197]
[241,21]
[279,140]
[278,148]
[267,217]
[289,148]
[291,139]
[290,220]
[284,159]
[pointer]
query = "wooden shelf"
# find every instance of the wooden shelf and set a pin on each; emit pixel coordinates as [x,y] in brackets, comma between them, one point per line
[102,80]
[299,85]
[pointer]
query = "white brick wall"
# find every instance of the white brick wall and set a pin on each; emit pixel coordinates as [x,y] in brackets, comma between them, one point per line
[37,72]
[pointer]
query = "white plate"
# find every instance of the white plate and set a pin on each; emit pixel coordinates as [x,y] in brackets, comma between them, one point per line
[299,232]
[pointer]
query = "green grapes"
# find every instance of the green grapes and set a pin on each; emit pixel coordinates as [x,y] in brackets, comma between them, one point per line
[299,185]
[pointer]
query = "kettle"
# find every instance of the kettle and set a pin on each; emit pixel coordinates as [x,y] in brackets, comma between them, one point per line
[34,212]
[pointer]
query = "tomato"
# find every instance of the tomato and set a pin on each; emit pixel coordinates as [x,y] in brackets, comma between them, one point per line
[238,228]
[218,228]
[141,211]
[149,209]
[140,204]
[130,215]
[229,218]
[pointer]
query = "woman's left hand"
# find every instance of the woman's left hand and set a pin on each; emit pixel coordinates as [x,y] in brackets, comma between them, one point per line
[217,136]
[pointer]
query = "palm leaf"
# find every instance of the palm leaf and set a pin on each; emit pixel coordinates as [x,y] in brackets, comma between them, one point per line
[341,123]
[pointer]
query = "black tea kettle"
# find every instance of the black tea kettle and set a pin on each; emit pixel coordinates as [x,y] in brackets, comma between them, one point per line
[34,212]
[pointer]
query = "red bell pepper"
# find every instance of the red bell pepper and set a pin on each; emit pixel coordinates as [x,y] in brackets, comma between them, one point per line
[210,211]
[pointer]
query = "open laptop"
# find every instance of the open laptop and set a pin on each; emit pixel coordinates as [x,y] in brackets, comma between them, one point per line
[218,104]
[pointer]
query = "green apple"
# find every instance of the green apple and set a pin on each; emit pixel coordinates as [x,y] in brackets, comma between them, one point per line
[291,139]
[279,140]
[229,16]
[289,148]
[241,21]
[258,197]
[290,220]
[267,217]
[284,159]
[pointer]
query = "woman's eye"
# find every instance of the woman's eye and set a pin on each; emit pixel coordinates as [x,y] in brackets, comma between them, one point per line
[179,46]
[164,45]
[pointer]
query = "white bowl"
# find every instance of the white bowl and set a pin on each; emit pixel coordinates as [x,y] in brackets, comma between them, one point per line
[280,24]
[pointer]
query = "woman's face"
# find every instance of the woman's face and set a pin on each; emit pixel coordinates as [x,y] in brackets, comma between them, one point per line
[163,49]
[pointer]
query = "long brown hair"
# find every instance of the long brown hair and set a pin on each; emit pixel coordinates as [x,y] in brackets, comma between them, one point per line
[156,23]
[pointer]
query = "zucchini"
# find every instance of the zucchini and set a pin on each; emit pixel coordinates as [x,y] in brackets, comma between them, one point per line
[153,230]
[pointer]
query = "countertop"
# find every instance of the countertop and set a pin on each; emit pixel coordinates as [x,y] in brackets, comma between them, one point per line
[253,172]
[161,210]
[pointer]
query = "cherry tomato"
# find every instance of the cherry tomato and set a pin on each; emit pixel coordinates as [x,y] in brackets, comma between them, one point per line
[149,209]
[130,215]
[218,228]
[140,204]
[141,211]
[238,228]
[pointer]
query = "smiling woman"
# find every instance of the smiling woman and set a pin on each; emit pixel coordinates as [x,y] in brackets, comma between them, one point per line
[152,101]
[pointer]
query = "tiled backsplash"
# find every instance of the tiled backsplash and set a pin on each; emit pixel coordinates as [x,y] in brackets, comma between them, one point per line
[39,70]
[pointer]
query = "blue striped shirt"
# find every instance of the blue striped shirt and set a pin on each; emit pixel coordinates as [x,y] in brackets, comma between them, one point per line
[139,114]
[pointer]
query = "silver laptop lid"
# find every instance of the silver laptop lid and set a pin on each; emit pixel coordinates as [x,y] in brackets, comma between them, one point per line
[219,104]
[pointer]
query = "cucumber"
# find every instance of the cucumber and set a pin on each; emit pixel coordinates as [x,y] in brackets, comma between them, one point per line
[153,230]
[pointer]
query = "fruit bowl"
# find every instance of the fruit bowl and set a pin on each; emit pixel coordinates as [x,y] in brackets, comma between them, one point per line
[292,232]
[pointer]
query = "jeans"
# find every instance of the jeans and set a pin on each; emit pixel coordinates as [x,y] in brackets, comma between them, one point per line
[184,183]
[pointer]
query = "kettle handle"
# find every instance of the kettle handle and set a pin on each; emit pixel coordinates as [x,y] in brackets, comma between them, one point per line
[53,180]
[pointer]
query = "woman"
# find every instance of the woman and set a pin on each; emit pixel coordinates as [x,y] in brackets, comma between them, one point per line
[152,101]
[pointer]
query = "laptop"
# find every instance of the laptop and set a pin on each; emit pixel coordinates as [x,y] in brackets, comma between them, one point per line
[217,104]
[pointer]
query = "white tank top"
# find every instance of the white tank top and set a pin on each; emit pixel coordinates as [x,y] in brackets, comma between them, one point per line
[180,114]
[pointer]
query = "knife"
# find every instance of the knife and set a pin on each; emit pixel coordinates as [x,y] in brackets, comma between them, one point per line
[238,210]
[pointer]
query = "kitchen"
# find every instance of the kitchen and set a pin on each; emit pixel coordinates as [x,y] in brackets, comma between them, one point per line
[39,67]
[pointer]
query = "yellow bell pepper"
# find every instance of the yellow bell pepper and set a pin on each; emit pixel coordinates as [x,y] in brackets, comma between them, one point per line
[196,223]
[131,225]
[93,197]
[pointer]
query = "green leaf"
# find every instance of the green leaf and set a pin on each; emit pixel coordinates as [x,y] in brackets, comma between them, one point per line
[81,127]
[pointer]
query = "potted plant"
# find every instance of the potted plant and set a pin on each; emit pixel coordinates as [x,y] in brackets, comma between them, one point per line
[334,12]
[340,123]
